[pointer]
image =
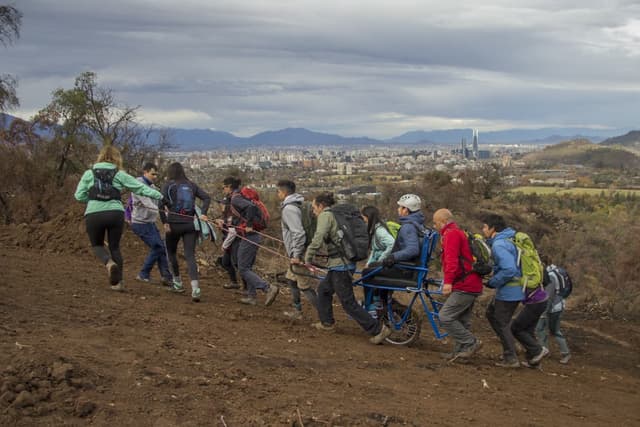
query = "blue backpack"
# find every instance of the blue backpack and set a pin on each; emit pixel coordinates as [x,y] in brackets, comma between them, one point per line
[185,202]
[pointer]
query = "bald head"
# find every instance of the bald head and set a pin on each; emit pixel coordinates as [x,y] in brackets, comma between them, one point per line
[442,217]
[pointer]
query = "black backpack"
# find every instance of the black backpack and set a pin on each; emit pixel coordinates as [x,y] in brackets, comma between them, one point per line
[565,284]
[103,188]
[185,202]
[352,230]
[482,262]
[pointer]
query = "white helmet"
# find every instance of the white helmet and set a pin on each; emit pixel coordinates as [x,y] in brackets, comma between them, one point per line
[411,202]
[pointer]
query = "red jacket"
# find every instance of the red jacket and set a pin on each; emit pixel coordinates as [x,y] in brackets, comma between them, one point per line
[456,260]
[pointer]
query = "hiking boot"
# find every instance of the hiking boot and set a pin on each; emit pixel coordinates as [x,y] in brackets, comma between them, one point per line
[139,278]
[471,350]
[272,293]
[449,355]
[177,288]
[118,287]
[382,335]
[537,358]
[508,363]
[195,295]
[231,286]
[249,300]
[322,327]
[293,314]
[565,358]
[114,272]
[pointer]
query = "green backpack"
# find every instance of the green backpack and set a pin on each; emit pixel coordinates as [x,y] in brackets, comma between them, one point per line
[309,220]
[393,228]
[529,261]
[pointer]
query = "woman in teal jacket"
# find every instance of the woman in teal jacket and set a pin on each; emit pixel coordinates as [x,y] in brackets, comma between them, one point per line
[100,188]
[381,244]
[380,239]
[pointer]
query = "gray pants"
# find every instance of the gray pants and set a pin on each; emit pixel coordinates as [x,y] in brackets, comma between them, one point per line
[550,322]
[455,318]
[499,314]
[243,254]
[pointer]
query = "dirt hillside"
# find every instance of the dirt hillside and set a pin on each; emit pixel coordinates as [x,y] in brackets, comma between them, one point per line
[73,352]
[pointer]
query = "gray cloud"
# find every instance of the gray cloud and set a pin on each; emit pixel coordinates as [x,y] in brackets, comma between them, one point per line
[360,67]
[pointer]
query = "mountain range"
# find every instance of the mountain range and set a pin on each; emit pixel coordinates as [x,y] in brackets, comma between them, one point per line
[205,139]
[208,139]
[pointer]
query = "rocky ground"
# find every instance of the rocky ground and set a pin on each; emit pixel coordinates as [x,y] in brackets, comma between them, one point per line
[73,352]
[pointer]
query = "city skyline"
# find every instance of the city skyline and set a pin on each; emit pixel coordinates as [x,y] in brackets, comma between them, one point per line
[373,68]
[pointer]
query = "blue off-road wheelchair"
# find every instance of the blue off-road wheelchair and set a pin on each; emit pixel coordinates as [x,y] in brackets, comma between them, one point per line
[410,278]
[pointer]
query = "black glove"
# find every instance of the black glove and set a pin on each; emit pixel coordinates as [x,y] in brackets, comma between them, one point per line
[388,261]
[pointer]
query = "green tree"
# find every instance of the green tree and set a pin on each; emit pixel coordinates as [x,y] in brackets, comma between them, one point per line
[87,116]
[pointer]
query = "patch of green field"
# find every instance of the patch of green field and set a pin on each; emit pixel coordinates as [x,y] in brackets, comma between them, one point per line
[559,190]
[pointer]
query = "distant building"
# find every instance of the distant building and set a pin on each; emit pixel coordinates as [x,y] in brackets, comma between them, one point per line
[484,154]
[475,144]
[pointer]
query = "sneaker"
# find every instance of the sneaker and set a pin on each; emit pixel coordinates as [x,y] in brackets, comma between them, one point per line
[322,327]
[166,281]
[195,295]
[565,358]
[272,293]
[382,335]
[248,300]
[537,358]
[471,350]
[114,271]
[509,363]
[231,286]
[293,314]
[118,287]
[526,364]
[139,278]
[177,288]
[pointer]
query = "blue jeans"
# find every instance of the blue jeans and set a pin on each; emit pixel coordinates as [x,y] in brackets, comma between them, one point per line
[243,254]
[157,254]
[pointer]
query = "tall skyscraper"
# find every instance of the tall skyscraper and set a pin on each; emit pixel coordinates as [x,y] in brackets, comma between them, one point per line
[475,144]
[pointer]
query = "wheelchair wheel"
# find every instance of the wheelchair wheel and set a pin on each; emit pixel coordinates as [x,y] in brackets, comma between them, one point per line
[409,331]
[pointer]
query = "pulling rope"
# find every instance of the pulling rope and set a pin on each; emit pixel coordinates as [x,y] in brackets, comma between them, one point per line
[312,268]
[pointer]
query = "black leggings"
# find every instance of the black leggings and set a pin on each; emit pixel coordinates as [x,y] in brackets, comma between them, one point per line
[111,223]
[189,235]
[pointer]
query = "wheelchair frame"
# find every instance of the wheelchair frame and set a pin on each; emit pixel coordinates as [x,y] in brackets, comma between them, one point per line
[399,320]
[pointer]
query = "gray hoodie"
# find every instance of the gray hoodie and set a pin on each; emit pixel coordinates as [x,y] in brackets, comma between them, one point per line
[292,229]
[145,209]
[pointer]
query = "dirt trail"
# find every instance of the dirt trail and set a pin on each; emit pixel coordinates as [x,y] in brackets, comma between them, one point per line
[73,352]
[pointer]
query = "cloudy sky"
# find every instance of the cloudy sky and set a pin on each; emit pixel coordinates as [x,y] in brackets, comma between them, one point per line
[377,67]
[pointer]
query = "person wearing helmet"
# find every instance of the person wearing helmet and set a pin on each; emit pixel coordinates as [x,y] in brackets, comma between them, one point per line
[406,248]
[407,245]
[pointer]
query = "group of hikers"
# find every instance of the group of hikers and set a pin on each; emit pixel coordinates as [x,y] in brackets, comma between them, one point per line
[316,229]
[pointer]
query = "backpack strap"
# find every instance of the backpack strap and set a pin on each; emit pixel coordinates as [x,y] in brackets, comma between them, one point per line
[171,186]
[243,221]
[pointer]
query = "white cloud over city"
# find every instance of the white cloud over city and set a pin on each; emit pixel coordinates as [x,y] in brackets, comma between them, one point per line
[374,68]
